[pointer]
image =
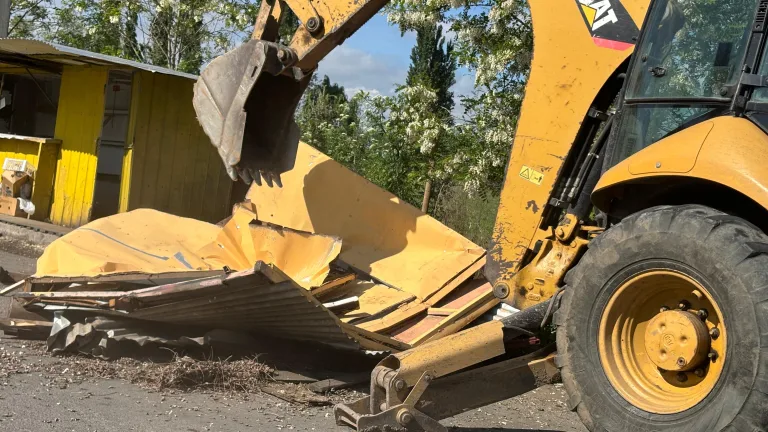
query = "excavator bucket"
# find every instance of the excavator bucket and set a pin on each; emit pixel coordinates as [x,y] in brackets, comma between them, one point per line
[245,101]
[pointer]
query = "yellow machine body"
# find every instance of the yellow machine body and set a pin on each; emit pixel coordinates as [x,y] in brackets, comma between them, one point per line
[727,151]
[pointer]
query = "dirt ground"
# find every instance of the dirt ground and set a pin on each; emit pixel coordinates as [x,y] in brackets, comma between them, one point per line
[39,392]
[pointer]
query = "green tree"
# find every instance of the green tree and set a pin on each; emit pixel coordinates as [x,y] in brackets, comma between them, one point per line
[433,65]
[179,34]
[28,18]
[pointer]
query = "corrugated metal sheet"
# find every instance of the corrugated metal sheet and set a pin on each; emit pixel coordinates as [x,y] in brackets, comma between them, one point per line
[175,167]
[42,155]
[72,56]
[247,301]
[78,126]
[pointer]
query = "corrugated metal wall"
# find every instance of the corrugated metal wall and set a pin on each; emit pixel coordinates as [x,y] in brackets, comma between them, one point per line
[43,157]
[174,166]
[78,126]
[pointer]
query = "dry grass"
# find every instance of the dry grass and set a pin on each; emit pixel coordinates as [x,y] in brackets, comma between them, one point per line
[184,373]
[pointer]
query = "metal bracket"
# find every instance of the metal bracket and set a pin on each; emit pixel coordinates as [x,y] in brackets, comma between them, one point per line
[753,80]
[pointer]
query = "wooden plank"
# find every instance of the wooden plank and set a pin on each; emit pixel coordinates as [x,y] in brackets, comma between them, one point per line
[441,311]
[482,301]
[331,285]
[461,323]
[385,343]
[456,282]
[72,294]
[417,327]
[394,319]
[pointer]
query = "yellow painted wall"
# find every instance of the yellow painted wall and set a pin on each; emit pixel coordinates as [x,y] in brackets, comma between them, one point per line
[78,126]
[43,157]
[175,168]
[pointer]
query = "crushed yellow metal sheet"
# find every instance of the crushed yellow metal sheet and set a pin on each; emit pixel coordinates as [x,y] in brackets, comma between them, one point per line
[322,211]
[143,240]
[303,256]
[381,235]
[148,241]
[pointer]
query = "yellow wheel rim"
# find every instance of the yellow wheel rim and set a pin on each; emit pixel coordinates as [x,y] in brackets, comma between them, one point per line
[662,341]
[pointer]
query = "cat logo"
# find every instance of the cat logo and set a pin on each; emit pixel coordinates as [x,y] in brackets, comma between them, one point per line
[609,23]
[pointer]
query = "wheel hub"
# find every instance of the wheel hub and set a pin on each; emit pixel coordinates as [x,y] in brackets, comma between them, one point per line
[676,340]
[662,341]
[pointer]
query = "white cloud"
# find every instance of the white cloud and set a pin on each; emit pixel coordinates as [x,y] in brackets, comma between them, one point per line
[357,70]
[465,84]
[447,32]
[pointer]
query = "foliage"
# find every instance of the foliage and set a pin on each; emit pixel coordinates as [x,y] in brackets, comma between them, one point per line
[28,17]
[179,34]
[473,215]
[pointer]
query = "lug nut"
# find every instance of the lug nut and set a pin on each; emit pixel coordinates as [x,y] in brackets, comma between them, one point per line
[714,333]
[663,309]
[683,305]
[699,372]
[702,313]
[681,361]
[682,377]
[712,355]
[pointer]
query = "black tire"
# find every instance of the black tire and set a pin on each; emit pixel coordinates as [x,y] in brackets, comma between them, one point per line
[730,255]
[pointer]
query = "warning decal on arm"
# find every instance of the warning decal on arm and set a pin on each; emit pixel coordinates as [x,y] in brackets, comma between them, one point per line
[531,175]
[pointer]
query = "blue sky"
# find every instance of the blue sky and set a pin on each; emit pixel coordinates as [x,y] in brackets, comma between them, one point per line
[376,59]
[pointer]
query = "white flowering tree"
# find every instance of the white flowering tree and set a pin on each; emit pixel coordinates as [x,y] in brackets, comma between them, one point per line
[494,40]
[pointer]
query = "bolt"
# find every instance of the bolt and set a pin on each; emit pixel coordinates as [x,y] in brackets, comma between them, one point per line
[681,361]
[560,232]
[723,91]
[281,54]
[404,417]
[702,313]
[313,24]
[714,333]
[699,372]
[682,377]
[658,164]
[501,290]
[663,309]
[400,385]
[712,355]
[683,305]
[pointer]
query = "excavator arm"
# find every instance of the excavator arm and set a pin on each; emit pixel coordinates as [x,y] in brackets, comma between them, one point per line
[245,100]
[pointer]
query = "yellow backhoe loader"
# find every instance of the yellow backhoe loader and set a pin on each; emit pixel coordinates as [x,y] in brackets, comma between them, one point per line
[632,220]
